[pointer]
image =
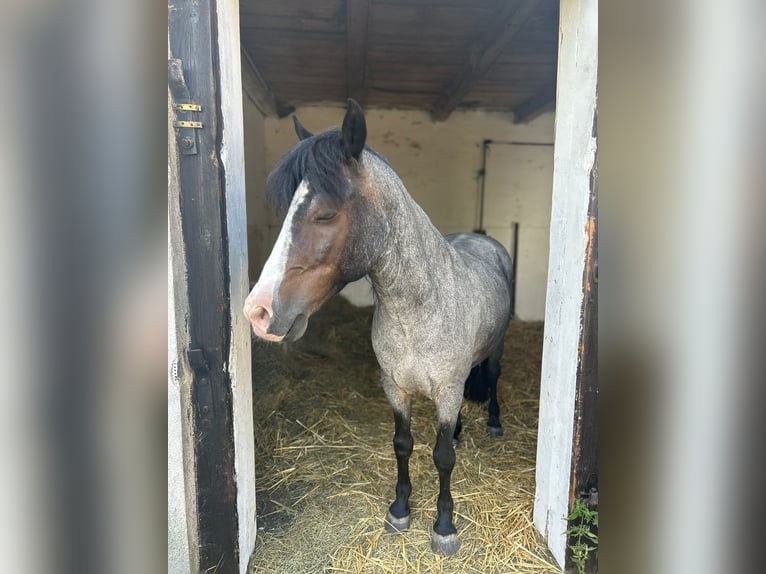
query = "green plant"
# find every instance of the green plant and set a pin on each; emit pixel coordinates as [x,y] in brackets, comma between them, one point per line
[582,523]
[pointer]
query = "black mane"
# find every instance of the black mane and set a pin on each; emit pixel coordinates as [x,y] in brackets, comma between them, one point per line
[321,160]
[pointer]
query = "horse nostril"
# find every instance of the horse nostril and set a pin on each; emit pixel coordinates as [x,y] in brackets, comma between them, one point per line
[260,317]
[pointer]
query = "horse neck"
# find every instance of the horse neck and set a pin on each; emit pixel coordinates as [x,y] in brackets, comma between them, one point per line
[404,276]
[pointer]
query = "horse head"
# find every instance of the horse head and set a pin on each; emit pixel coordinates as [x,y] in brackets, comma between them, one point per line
[331,233]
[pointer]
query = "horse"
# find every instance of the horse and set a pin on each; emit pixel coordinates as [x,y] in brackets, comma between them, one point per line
[442,304]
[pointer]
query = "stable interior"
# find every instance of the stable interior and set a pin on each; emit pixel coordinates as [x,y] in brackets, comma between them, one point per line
[458,96]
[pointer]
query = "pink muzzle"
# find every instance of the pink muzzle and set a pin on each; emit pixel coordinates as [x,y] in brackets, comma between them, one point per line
[259,311]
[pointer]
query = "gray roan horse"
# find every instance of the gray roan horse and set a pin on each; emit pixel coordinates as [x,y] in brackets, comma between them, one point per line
[442,305]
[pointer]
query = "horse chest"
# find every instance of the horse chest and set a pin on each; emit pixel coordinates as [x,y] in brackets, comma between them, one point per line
[416,359]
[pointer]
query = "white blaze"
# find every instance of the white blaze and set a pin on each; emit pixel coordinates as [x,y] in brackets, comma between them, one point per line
[274,269]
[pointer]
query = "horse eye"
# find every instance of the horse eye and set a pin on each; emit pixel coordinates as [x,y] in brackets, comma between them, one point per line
[325,216]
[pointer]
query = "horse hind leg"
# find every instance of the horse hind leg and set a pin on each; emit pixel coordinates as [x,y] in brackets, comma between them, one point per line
[458,428]
[494,427]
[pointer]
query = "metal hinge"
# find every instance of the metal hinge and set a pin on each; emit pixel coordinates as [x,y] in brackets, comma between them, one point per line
[184,107]
[189,107]
[188,124]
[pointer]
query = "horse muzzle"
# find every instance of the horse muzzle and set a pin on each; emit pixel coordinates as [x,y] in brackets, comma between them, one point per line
[269,324]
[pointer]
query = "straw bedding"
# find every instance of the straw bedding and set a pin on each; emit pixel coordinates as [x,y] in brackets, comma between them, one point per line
[325,467]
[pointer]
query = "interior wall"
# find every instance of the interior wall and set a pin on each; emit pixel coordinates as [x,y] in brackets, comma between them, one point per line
[439,163]
[518,189]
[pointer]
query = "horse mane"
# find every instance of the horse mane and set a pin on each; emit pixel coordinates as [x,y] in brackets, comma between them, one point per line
[321,160]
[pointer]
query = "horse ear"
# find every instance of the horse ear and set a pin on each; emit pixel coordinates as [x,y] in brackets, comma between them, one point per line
[300,131]
[354,130]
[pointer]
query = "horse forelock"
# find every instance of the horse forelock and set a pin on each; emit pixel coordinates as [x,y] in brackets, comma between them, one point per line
[319,160]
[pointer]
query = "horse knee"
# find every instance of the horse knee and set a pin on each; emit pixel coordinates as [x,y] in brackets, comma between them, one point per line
[444,457]
[403,444]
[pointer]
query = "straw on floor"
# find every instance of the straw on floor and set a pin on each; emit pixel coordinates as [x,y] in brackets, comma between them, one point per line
[325,467]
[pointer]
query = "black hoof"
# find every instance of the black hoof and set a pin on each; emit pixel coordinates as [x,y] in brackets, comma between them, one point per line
[495,431]
[445,545]
[394,525]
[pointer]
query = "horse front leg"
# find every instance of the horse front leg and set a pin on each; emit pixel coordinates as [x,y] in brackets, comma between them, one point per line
[398,517]
[444,539]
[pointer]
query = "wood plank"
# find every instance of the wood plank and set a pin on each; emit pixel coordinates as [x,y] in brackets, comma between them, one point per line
[511,73]
[540,103]
[253,23]
[327,9]
[460,23]
[401,52]
[259,91]
[483,4]
[432,72]
[357,22]
[308,75]
[483,54]
[420,85]
[397,99]
[518,57]
[288,55]
[304,92]
[304,38]
[193,41]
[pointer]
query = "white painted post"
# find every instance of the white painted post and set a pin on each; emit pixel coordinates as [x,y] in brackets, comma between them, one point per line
[233,157]
[574,156]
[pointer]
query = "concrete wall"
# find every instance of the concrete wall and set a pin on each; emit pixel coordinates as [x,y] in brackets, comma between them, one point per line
[439,164]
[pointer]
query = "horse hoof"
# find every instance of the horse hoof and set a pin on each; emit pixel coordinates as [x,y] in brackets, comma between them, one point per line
[394,525]
[445,545]
[495,431]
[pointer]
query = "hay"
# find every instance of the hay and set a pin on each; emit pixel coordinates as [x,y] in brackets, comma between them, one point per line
[326,470]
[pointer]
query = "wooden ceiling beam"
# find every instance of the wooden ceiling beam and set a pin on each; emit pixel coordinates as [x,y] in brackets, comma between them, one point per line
[357,18]
[258,90]
[543,101]
[483,53]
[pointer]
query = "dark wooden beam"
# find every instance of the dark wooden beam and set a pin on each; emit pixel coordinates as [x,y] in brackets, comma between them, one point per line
[258,90]
[584,473]
[357,17]
[194,74]
[543,101]
[483,53]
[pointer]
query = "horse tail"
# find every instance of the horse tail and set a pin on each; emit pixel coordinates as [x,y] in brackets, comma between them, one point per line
[477,384]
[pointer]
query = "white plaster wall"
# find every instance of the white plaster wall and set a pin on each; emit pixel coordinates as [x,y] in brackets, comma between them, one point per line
[439,163]
[518,189]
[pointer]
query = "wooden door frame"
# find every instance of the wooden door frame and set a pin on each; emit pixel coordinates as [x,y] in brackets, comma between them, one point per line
[213,358]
